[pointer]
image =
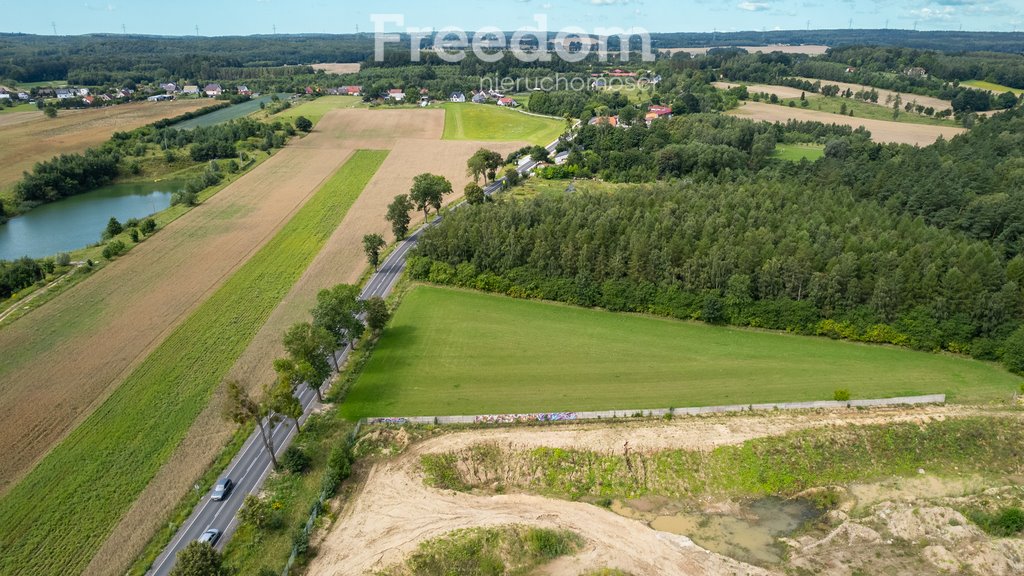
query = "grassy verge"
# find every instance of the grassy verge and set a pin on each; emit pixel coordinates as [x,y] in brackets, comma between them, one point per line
[72,499]
[487,122]
[511,549]
[798,152]
[450,351]
[781,465]
[94,253]
[19,108]
[290,496]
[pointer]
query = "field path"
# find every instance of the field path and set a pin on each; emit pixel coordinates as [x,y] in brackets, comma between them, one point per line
[62,361]
[413,136]
[30,137]
[392,511]
[881,130]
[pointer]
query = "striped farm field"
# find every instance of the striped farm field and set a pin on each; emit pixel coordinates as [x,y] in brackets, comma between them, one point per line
[53,521]
[487,122]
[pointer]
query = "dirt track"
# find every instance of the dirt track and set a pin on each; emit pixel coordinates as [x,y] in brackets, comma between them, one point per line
[341,260]
[30,137]
[881,130]
[337,67]
[392,510]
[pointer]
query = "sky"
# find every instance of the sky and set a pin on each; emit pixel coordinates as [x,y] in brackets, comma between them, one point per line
[243,17]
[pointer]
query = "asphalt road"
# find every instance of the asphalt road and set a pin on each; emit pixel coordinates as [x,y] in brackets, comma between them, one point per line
[252,464]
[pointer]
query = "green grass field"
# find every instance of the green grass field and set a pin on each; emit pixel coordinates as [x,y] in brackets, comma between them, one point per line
[798,152]
[314,110]
[862,109]
[997,88]
[458,352]
[56,517]
[19,108]
[488,122]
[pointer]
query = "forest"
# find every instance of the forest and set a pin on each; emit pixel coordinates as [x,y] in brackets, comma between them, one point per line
[876,243]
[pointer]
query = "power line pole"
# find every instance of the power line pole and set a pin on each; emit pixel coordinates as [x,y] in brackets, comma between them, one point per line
[275,29]
[124,30]
[54,26]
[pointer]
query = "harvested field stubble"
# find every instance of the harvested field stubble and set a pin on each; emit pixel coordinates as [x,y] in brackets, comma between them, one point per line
[137,428]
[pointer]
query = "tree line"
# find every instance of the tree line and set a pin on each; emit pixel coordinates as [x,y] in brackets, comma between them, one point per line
[754,252]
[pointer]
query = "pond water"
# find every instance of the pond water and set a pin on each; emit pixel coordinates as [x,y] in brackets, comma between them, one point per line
[78,221]
[230,113]
[750,536]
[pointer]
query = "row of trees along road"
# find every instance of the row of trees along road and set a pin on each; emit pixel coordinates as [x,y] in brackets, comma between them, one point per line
[337,321]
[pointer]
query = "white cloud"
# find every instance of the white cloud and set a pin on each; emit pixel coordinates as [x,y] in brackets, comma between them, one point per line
[753,6]
[929,13]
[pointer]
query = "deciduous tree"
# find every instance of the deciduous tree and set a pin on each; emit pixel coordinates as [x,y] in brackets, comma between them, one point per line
[372,245]
[398,215]
[199,559]
[428,192]
[242,409]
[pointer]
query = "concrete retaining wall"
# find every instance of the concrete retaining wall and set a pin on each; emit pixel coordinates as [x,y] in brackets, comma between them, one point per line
[656,412]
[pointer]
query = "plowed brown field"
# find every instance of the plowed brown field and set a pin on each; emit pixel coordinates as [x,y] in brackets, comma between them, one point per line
[63,359]
[413,136]
[30,137]
[881,130]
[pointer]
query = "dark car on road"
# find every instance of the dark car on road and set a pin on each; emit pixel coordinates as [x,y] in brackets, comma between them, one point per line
[222,489]
[209,537]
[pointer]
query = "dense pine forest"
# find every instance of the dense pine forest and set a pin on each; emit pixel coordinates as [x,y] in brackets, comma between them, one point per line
[877,243]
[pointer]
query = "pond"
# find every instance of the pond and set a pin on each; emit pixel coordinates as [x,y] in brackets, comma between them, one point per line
[230,113]
[750,534]
[78,221]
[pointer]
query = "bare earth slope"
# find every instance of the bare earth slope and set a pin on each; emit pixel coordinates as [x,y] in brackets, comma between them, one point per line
[392,511]
[881,130]
[62,360]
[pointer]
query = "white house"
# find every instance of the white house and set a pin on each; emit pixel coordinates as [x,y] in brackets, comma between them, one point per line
[4,95]
[65,94]
[479,98]
[457,97]
[191,89]
[213,90]
[507,102]
[396,94]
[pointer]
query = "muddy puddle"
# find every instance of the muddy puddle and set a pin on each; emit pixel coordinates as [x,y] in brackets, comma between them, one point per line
[749,534]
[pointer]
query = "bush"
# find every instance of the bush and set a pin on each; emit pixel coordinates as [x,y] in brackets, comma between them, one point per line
[295,460]
[114,249]
[841,395]
[1005,523]
[148,226]
[185,197]
[1013,352]
[63,259]
[300,540]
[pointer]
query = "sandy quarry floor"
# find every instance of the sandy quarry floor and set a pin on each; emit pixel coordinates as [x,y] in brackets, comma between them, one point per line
[881,130]
[30,137]
[392,511]
[413,138]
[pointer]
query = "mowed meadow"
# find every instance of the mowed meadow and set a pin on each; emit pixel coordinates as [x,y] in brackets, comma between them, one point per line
[488,122]
[72,499]
[450,351]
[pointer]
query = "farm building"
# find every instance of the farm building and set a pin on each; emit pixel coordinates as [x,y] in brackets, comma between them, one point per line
[457,97]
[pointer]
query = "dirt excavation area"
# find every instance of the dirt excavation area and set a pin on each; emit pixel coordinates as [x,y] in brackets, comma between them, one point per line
[31,137]
[881,130]
[390,509]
